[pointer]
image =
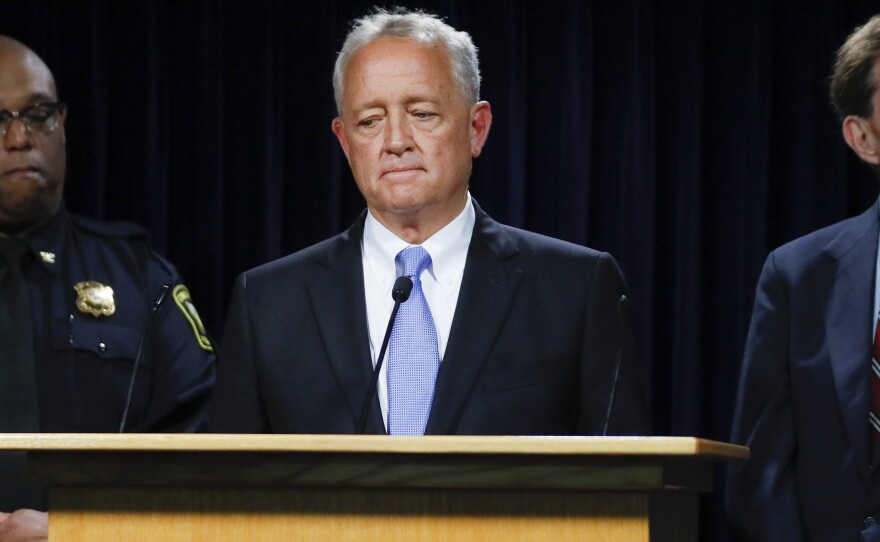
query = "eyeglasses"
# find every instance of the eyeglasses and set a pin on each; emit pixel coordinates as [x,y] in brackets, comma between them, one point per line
[38,117]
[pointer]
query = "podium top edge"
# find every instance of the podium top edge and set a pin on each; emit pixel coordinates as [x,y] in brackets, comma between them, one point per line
[515,445]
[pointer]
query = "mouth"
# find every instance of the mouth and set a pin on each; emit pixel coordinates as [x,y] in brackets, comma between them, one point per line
[28,171]
[401,173]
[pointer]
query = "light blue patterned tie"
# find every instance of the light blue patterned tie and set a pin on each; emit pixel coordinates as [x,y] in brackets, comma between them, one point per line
[413,356]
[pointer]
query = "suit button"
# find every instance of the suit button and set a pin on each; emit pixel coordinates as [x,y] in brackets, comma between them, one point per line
[869,522]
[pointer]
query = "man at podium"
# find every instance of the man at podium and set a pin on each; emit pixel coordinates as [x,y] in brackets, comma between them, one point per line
[495,330]
[809,396]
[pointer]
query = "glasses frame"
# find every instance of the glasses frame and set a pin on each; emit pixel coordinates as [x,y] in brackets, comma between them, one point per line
[7,116]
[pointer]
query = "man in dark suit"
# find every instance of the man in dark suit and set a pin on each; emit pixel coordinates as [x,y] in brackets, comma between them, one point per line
[505,331]
[805,405]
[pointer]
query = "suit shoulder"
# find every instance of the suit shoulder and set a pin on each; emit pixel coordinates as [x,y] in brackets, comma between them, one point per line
[301,261]
[805,251]
[544,246]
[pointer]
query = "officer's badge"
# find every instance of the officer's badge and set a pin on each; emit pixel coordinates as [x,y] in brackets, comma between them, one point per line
[47,257]
[184,302]
[94,298]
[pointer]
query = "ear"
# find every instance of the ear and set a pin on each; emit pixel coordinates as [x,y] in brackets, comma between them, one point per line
[338,128]
[481,121]
[859,134]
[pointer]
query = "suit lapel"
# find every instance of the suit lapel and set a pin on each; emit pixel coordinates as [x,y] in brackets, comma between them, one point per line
[340,310]
[489,284]
[846,288]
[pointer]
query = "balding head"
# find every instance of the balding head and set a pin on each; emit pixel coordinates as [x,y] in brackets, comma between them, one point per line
[32,154]
[18,61]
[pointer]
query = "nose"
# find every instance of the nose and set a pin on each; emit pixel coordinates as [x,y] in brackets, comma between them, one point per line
[398,137]
[16,136]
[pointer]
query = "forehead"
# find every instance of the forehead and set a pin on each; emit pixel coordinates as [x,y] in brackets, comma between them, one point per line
[23,78]
[394,64]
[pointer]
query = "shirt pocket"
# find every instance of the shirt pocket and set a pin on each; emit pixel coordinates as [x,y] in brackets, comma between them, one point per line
[95,358]
[104,339]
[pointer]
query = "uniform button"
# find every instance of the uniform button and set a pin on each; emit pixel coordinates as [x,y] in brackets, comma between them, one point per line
[869,522]
[102,347]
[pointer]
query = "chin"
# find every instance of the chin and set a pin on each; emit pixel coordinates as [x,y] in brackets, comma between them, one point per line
[23,215]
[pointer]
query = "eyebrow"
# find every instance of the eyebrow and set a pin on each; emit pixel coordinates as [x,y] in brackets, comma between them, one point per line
[381,104]
[41,97]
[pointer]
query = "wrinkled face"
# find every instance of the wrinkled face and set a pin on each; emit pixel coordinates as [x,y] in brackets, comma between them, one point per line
[407,131]
[32,163]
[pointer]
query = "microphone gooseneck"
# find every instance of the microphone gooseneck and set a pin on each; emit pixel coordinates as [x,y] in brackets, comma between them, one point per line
[622,314]
[160,299]
[399,293]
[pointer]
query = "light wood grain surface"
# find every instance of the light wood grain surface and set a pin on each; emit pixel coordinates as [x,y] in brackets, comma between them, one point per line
[515,445]
[329,515]
[174,487]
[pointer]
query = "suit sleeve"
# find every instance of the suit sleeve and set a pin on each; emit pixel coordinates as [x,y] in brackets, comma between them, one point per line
[614,400]
[237,406]
[762,500]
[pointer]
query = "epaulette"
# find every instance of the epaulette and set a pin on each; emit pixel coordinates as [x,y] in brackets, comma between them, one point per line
[129,232]
[125,230]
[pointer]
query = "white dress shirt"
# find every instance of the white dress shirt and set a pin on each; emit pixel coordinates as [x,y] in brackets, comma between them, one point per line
[441,281]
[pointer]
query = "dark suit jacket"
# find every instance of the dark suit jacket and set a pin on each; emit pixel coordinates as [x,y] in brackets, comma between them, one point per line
[804,396]
[533,347]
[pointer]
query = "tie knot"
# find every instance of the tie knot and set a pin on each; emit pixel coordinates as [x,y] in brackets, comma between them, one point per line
[414,260]
[12,249]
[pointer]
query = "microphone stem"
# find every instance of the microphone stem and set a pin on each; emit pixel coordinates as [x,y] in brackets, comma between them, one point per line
[373,382]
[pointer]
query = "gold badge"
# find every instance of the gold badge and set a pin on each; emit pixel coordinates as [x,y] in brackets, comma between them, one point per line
[185,304]
[94,298]
[47,257]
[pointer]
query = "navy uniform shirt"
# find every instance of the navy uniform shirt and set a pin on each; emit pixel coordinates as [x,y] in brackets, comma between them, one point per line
[84,362]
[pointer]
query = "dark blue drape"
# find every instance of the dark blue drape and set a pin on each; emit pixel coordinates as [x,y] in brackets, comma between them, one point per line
[686,137]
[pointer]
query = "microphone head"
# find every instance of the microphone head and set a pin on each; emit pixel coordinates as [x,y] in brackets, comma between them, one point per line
[402,288]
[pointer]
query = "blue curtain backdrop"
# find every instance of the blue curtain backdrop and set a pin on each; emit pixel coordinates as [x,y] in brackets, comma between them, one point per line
[686,137]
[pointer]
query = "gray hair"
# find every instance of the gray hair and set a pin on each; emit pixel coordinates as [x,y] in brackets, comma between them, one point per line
[852,82]
[416,26]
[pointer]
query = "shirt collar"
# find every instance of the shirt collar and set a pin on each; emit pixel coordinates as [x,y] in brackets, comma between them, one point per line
[448,249]
[46,242]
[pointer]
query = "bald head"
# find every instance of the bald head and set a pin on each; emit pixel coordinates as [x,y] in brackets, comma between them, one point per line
[17,61]
[32,154]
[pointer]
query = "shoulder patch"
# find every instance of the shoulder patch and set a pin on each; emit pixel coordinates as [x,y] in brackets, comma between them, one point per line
[184,302]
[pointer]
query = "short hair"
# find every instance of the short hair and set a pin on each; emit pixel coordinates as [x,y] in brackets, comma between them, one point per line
[416,26]
[852,81]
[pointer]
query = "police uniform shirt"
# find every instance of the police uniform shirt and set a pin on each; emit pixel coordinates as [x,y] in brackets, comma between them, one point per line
[84,355]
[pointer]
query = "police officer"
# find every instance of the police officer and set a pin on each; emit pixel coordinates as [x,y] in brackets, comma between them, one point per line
[97,333]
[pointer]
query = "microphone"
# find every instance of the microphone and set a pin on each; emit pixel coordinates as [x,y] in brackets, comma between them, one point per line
[399,293]
[160,299]
[622,314]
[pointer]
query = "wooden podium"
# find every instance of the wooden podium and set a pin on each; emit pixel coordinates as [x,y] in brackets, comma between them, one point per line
[364,488]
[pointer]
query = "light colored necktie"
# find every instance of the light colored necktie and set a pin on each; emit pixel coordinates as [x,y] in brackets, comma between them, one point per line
[413,355]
